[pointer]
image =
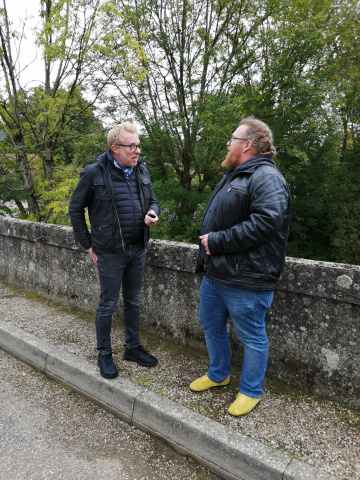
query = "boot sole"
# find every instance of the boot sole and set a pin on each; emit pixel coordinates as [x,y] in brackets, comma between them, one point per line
[112,375]
[210,388]
[243,415]
[140,363]
[107,375]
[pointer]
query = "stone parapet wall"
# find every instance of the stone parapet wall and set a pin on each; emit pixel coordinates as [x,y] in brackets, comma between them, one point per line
[313,324]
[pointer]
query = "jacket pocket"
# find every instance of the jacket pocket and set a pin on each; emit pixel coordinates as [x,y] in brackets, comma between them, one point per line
[101,237]
[242,191]
[146,190]
[100,190]
[222,265]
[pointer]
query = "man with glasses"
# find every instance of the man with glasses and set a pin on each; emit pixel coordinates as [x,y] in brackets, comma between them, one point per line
[242,252]
[116,189]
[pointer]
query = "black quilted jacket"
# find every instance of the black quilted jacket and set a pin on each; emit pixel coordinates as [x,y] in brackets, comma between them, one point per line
[95,191]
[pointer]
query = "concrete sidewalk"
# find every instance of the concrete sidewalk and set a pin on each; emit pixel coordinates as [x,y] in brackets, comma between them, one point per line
[227,453]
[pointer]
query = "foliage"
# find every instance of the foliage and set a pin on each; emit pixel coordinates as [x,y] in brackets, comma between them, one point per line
[170,195]
[76,146]
[42,122]
[293,64]
[194,51]
[187,72]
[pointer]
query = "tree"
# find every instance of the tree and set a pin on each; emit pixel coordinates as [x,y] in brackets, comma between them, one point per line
[188,71]
[313,80]
[211,62]
[37,121]
[345,239]
[194,50]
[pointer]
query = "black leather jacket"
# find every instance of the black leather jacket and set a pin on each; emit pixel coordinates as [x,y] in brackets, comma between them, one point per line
[248,227]
[94,191]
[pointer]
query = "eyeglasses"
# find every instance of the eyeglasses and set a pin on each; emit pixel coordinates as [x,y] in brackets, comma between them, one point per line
[132,147]
[234,138]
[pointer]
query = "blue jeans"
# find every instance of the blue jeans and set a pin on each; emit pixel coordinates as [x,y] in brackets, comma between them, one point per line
[116,269]
[247,310]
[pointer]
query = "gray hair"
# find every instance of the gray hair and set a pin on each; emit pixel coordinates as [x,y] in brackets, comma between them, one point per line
[260,135]
[116,134]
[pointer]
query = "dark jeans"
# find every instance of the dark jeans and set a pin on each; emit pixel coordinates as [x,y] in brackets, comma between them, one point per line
[116,269]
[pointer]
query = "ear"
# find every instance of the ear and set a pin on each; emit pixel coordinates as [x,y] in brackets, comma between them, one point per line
[248,146]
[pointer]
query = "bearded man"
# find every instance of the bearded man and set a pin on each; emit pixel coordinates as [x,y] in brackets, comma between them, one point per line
[242,252]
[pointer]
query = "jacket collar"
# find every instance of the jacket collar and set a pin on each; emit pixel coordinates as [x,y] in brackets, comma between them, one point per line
[255,162]
[105,157]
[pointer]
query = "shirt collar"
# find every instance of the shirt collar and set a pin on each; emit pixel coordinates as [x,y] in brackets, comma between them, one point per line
[126,170]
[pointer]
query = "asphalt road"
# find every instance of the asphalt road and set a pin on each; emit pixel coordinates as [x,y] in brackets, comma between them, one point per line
[49,432]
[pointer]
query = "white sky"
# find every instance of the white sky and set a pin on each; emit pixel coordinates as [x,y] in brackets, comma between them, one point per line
[30,61]
[18,10]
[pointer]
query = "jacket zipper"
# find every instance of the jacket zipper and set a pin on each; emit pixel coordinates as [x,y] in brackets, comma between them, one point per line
[221,192]
[213,194]
[236,190]
[143,206]
[116,213]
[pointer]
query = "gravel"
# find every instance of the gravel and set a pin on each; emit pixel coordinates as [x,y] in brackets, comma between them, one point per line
[321,433]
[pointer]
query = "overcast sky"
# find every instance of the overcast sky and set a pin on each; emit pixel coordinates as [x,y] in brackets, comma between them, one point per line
[30,61]
[18,10]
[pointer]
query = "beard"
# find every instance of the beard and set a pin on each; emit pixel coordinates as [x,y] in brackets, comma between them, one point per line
[232,159]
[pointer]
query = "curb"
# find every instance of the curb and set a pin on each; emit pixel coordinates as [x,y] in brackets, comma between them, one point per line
[225,452]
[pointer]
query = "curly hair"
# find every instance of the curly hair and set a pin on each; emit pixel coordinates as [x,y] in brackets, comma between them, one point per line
[116,134]
[260,135]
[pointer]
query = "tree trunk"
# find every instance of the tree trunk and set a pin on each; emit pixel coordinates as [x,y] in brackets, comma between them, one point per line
[27,177]
[20,206]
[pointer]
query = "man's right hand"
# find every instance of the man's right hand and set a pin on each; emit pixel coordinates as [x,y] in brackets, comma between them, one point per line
[204,241]
[93,255]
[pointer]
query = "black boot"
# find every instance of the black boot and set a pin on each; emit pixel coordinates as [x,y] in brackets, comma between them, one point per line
[140,356]
[107,366]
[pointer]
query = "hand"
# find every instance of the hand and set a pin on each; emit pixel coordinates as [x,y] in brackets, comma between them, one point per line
[204,241]
[93,255]
[151,218]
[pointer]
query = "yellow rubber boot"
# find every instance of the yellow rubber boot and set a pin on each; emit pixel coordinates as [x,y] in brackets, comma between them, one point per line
[242,405]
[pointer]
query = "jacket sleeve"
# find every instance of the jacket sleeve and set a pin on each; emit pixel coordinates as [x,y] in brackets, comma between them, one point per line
[268,207]
[153,204]
[80,199]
